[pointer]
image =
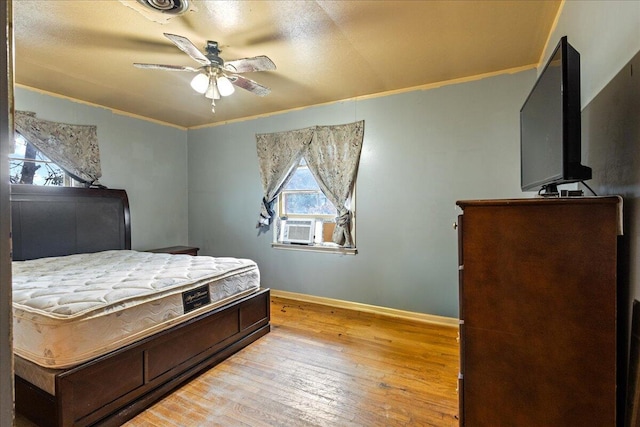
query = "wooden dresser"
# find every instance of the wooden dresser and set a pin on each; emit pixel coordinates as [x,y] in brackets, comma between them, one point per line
[537,284]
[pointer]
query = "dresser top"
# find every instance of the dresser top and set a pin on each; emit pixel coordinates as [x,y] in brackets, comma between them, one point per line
[549,201]
[541,200]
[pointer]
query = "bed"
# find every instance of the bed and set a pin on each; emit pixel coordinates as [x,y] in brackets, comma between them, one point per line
[98,352]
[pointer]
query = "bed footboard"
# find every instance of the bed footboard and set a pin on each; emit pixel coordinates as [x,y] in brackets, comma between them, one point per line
[115,387]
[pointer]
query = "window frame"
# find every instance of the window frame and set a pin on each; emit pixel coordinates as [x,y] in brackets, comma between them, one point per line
[283,193]
[281,203]
[318,246]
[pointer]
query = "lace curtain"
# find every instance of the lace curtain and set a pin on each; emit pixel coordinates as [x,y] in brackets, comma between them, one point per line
[72,147]
[332,154]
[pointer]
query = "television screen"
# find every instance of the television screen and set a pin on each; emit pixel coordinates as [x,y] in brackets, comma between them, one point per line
[541,128]
[550,125]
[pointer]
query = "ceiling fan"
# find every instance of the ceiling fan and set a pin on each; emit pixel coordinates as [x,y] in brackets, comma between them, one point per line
[217,78]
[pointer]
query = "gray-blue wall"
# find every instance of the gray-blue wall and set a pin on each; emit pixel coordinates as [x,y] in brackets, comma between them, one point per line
[147,159]
[607,35]
[422,151]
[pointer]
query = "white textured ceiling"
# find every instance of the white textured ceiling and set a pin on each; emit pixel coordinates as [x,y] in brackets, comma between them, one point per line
[324,51]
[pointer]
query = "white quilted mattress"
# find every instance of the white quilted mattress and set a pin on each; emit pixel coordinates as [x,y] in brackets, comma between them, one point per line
[70,309]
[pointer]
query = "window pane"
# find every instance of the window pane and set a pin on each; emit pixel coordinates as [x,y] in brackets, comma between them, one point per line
[302,180]
[45,173]
[308,203]
[21,150]
[20,147]
[38,171]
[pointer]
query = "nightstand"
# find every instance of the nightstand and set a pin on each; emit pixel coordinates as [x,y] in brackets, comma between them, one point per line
[177,250]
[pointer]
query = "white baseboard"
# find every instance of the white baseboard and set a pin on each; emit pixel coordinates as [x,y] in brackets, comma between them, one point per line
[391,312]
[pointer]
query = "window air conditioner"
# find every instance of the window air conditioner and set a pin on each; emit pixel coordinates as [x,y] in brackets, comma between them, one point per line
[299,231]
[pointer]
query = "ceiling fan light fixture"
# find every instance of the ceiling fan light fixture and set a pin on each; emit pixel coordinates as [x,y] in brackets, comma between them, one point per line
[225,86]
[212,91]
[200,83]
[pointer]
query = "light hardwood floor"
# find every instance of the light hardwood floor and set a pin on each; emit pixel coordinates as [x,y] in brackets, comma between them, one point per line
[323,366]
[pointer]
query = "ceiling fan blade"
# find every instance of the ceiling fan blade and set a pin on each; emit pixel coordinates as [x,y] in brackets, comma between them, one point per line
[250,85]
[165,67]
[185,45]
[247,65]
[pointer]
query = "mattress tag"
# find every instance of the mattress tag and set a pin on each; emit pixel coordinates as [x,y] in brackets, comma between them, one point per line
[195,298]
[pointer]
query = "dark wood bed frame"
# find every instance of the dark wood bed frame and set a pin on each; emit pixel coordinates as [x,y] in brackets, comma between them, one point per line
[113,388]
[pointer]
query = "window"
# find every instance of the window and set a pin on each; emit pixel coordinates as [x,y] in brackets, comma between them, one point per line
[302,197]
[332,153]
[27,165]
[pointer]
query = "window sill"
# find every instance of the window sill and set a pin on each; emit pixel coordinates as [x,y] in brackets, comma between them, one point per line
[323,248]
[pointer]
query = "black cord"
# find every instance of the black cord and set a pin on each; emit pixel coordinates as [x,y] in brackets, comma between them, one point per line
[550,190]
[590,189]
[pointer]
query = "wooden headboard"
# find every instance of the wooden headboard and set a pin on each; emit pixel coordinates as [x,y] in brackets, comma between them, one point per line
[56,221]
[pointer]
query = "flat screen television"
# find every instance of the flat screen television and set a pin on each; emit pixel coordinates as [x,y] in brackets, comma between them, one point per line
[550,152]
